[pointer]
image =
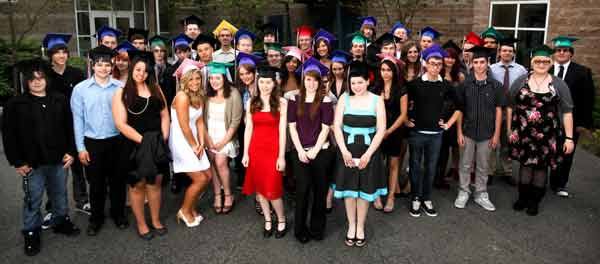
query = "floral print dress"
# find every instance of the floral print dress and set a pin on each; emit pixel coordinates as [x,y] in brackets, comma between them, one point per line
[535,128]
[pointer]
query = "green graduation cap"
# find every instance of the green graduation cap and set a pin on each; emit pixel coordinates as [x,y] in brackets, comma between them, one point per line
[158,41]
[276,46]
[542,50]
[491,32]
[564,41]
[218,67]
[358,38]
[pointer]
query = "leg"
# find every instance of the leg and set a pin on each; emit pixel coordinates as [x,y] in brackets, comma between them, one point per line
[303,184]
[466,165]
[80,194]
[559,177]
[318,219]
[403,181]
[279,211]
[444,155]
[394,167]
[538,189]
[200,180]
[483,151]
[137,194]
[34,185]
[264,204]
[362,208]
[153,192]
[222,164]
[97,181]
[431,154]
[216,181]
[351,208]
[56,184]
[525,176]
[117,183]
[416,146]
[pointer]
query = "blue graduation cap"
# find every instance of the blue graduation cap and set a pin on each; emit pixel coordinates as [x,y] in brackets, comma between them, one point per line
[245,58]
[368,21]
[107,31]
[181,40]
[399,25]
[313,64]
[430,32]
[125,46]
[435,51]
[327,36]
[341,57]
[56,40]
[244,33]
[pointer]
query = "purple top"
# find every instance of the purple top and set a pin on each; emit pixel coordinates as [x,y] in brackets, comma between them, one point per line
[309,129]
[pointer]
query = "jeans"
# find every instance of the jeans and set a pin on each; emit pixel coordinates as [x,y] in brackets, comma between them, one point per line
[428,146]
[53,178]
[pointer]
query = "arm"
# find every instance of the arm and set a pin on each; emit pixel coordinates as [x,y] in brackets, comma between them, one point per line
[78,120]
[165,119]
[120,116]
[569,144]
[326,113]
[339,135]
[403,115]
[497,128]
[280,166]
[10,134]
[366,157]
[294,132]
[587,120]
[236,117]
[247,135]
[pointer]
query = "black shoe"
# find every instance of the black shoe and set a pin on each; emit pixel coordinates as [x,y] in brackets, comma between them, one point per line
[93,229]
[268,232]
[302,238]
[415,208]
[521,202]
[280,233]
[160,231]
[147,236]
[427,207]
[536,194]
[361,242]
[257,207]
[66,227]
[32,241]
[121,222]
[350,241]
[328,210]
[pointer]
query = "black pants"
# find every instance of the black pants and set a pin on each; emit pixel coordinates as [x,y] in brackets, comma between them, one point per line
[103,171]
[240,170]
[560,176]
[311,176]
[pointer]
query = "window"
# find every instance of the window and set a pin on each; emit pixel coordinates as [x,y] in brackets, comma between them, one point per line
[524,20]
[93,14]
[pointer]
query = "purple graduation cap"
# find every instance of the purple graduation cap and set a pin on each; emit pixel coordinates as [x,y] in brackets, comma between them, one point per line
[56,40]
[245,58]
[107,31]
[430,32]
[368,21]
[399,25]
[125,46]
[244,33]
[313,64]
[181,40]
[435,51]
[323,34]
[341,57]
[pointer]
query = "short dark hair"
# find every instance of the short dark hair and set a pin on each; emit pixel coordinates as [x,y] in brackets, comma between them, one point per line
[55,50]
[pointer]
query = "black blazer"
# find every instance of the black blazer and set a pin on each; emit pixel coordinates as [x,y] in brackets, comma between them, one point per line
[581,85]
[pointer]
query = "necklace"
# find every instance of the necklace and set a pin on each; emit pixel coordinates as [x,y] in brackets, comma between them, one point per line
[539,84]
[140,112]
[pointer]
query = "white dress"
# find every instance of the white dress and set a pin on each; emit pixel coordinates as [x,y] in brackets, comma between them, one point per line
[184,159]
[217,131]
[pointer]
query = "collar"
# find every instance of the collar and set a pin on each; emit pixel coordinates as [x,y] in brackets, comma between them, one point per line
[111,82]
[566,64]
[424,78]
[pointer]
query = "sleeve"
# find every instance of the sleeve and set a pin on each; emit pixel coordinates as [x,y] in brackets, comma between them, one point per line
[514,90]
[78,119]
[566,101]
[326,113]
[587,119]
[68,119]
[499,95]
[291,111]
[460,97]
[9,136]
[237,108]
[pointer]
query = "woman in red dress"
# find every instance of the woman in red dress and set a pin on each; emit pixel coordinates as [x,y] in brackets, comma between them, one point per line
[264,149]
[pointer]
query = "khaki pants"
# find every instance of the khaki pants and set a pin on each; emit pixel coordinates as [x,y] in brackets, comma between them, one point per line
[477,152]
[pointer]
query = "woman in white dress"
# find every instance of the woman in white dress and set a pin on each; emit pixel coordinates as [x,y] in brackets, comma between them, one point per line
[223,113]
[187,139]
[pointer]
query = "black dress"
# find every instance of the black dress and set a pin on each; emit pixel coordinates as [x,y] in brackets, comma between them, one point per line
[391,145]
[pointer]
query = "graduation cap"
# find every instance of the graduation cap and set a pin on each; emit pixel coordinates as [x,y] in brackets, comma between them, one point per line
[125,46]
[218,67]
[399,25]
[341,56]
[56,40]
[25,69]
[508,41]
[158,41]
[107,31]
[313,64]
[294,52]
[136,54]
[325,35]
[204,39]
[435,51]
[224,25]
[244,33]
[474,39]
[136,32]
[491,32]
[276,46]
[393,59]
[269,28]
[359,38]
[430,32]
[368,21]
[542,50]
[181,40]
[480,52]
[387,38]
[564,41]
[102,53]
[266,71]
[245,58]
[304,31]
[358,69]
[192,20]
[186,66]
[451,45]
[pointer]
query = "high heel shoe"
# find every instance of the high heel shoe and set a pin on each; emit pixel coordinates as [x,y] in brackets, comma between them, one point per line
[268,232]
[218,204]
[280,233]
[227,208]
[181,216]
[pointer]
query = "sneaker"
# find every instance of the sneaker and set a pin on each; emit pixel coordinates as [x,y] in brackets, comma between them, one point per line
[484,201]
[85,208]
[414,210]
[461,199]
[562,192]
[47,221]
[428,208]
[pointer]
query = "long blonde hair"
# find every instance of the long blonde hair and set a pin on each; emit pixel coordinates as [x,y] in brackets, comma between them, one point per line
[197,97]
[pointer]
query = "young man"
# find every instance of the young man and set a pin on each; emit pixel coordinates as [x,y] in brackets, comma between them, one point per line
[158,47]
[244,40]
[402,34]
[224,33]
[359,44]
[138,38]
[429,36]
[96,138]
[37,136]
[580,82]
[367,27]
[192,28]
[63,79]
[471,40]
[108,36]
[480,100]
[491,37]
[427,121]
[274,54]
[304,39]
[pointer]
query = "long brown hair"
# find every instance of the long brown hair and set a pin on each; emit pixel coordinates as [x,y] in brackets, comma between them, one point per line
[131,91]
[115,70]
[256,103]
[314,106]
[416,66]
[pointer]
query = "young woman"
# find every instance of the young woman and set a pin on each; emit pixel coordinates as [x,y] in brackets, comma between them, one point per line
[223,113]
[411,56]
[264,150]
[121,69]
[187,139]
[310,114]
[323,51]
[141,115]
[289,79]
[359,128]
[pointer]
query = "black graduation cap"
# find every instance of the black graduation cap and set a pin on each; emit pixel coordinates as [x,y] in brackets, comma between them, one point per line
[26,67]
[452,45]
[387,38]
[480,52]
[266,71]
[268,28]
[358,68]
[204,38]
[192,20]
[508,41]
[137,32]
[102,53]
[141,55]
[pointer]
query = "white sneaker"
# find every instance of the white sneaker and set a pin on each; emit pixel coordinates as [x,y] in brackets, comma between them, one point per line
[47,221]
[562,193]
[461,199]
[484,201]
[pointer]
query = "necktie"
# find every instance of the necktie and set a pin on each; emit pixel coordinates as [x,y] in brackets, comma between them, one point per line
[506,83]
[561,72]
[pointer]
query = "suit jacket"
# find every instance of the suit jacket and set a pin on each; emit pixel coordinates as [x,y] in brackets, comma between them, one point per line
[581,85]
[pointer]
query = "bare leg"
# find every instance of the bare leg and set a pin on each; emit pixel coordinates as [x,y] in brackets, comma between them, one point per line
[393,163]
[154,200]
[200,180]
[218,205]
[403,185]
[329,198]
[264,204]
[351,216]
[222,164]
[362,207]
[278,207]
[136,197]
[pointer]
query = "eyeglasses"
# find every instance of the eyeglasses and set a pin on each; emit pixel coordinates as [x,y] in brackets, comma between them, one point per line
[542,62]
[439,64]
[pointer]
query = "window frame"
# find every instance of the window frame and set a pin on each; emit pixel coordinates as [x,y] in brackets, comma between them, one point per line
[516,27]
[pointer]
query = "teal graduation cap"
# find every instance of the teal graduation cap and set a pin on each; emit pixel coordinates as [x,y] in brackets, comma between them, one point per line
[218,67]
[358,38]
[543,51]
[564,41]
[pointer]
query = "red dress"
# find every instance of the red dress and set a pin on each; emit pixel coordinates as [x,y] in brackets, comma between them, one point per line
[261,175]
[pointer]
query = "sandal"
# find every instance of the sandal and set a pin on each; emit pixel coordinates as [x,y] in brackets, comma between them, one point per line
[389,207]
[361,242]
[350,241]
[227,208]
[218,207]
[257,207]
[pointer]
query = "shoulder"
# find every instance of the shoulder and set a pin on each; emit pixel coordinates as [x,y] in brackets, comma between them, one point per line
[282,101]
[16,100]
[326,99]
[117,83]
[82,84]
[74,71]
[291,95]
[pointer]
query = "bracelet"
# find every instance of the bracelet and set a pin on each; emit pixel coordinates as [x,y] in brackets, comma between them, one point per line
[569,138]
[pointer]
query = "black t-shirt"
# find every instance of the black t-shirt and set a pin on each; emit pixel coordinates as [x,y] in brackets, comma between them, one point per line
[427,103]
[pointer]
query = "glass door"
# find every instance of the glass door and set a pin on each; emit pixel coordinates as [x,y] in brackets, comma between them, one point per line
[121,20]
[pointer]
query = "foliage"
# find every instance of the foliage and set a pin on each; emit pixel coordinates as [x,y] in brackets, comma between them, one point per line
[591,143]
[28,48]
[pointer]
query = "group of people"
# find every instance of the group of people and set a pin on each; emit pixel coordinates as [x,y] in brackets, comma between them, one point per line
[302,119]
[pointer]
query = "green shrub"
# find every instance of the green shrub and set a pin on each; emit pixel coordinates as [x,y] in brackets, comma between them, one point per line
[28,49]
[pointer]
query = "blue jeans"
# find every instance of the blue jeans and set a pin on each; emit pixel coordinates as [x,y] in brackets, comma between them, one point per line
[53,178]
[428,146]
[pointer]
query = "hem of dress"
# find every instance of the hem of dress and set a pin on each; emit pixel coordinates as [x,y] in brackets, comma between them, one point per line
[370,197]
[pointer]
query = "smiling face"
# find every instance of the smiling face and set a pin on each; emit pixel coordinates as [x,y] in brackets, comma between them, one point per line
[102,69]
[434,66]
[265,86]
[292,65]
[304,42]
[205,52]
[274,58]
[413,54]
[541,64]
[357,50]
[122,62]
[225,37]
[246,76]
[359,85]
[60,57]
[386,72]
[37,84]
[388,49]
[311,84]
[322,49]
[216,81]
[338,70]
[194,82]
[139,73]
[245,45]
[507,53]
[562,55]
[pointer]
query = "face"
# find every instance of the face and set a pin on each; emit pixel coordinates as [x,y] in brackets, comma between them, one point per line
[225,37]
[292,65]
[304,42]
[37,84]
[491,43]
[562,55]
[541,64]
[159,54]
[322,49]
[216,81]
[449,62]
[139,44]
[245,45]
[368,32]
[139,73]
[60,57]
[434,65]
[192,31]
[182,54]
[109,41]
[357,50]
[205,52]
[337,69]
[413,54]
[274,58]
[480,65]
[269,38]
[265,85]
[359,85]
[466,54]
[507,53]
[102,69]
[426,42]
[311,84]
[195,82]
[386,72]
[389,49]
[246,76]
[401,33]
[122,64]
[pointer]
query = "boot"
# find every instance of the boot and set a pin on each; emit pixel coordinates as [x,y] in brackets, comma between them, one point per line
[521,202]
[534,200]
[32,241]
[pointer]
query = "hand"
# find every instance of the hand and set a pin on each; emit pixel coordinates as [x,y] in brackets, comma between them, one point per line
[568,146]
[409,123]
[84,158]
[347,156]
[217,147]
[23,170]
[494,141]
[443,125]
[67,160]
[302,156]
[460,138]
[312,153]
[198,150]
[364,161]
[280,166]
[245,160]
